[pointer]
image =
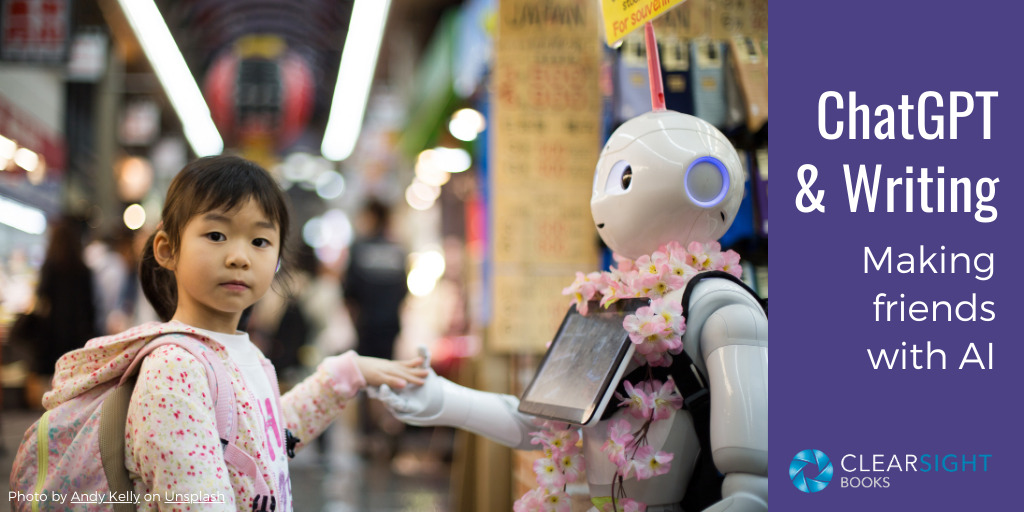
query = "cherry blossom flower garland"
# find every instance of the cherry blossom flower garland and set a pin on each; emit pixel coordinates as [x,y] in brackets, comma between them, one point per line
[656,331]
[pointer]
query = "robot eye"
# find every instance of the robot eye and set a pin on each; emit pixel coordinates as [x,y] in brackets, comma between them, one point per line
[706,181]
[619,178]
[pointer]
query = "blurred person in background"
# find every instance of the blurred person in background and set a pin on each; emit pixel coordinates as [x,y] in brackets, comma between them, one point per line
[64,305]
[114,265]
[374,288]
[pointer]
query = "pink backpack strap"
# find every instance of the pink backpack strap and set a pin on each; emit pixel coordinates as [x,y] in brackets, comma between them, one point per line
[223,400]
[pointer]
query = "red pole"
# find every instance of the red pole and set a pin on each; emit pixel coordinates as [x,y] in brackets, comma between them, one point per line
[654,69]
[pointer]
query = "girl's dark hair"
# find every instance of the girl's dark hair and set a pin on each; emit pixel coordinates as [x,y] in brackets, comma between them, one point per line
[210,183]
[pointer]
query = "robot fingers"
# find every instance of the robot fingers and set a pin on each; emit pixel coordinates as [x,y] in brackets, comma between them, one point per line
[424,352]
[392,400]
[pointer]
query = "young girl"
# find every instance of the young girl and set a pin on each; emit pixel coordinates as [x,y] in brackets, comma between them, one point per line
[216,252]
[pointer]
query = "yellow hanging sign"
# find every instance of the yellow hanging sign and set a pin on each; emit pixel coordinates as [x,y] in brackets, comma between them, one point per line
[624,16]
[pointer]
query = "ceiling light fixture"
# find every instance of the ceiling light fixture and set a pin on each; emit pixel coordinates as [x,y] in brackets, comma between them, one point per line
[355,75]
[174,75]
[26,159]
[22,217]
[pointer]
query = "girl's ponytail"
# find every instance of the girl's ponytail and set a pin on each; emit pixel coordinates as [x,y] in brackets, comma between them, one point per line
[158,283]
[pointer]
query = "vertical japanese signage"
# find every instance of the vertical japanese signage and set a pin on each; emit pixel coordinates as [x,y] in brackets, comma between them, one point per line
[547,108]
[34,30]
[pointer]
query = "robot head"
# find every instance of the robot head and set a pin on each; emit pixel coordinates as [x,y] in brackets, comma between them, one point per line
[662,177]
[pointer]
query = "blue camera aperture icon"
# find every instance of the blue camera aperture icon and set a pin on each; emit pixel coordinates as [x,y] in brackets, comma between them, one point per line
[810,471]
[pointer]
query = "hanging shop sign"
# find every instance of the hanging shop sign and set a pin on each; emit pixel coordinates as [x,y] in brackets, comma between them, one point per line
[34,30]
[624,16]
[87,60]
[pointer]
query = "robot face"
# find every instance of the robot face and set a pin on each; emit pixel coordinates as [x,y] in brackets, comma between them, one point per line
[662,177]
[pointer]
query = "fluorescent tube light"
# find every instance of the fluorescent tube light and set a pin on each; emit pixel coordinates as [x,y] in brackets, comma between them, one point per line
[174,75]
[355,75]
[22,217]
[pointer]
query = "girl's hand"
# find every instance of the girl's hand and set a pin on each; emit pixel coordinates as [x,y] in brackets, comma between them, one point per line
[396,374]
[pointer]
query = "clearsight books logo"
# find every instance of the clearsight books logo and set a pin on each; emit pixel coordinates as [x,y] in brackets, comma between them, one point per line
[811,471]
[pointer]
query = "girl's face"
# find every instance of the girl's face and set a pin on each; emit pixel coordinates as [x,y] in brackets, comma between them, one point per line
[224,264]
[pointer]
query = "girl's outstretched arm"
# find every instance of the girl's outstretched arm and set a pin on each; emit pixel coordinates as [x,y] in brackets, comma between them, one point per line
[396,374]
[309,407]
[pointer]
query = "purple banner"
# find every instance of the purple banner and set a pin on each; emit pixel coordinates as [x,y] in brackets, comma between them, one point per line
[898,363]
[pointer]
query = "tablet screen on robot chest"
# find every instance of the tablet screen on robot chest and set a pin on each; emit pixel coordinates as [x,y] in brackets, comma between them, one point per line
[577,377]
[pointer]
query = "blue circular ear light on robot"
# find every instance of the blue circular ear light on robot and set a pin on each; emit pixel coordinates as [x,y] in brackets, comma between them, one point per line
[706,181]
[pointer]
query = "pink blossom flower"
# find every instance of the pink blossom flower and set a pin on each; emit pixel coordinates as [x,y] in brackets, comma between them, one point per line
[639,403]
[620,431]
[622,263]
[571,465]
[643,284]
[704,256]
[646,265]
[673,249]
[730,263]
[665,400]
[619,435]
[615,290]
[548,474]
[679,263]
[654,264]
[656,345]
[565,440]
[654,275]
[644,324]
[583,289]
[531,501]
[650,463]
[633,283]
[557,442]
[543,438]
[664,283]
[672,312]
[557,501]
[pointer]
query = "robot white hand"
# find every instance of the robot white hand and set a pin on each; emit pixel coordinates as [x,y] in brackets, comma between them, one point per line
[441,402]
[414,401]
[415,405]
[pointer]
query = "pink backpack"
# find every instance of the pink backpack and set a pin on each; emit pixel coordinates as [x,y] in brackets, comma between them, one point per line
[78,446]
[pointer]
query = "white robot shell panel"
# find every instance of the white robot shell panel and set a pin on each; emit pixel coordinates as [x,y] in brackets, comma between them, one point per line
[640,198]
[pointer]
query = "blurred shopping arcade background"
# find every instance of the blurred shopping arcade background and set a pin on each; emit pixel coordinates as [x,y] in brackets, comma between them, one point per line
[478,121]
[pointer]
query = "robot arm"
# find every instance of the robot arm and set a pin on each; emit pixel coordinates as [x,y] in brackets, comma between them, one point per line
[440,402]
[734,342]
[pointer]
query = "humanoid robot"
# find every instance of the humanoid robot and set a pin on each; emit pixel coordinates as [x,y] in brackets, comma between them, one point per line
[662,177]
